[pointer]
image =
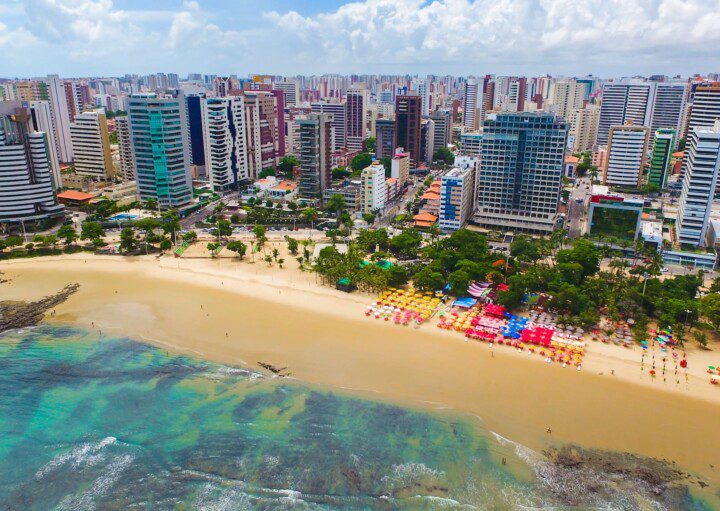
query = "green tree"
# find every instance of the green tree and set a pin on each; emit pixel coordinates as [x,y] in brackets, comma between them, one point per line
[361,161]
[445,155]
[190,236]
[67,232]
[429,279]
[260,237]
[127,240]
[171,223]
[369,218]
[212,247]
[335,204]
[406,244]
[292,245]
[266,172]
[151,205]
[287,163]
[370,144]
[165,244]
[14,241]
[238,247]
[310,215]
[223,228]
[710,308]
[92,231]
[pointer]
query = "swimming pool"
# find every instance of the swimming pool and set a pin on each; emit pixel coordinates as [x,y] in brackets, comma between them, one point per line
[123,216]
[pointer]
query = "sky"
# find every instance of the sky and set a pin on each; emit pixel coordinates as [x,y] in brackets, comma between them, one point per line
[607,38]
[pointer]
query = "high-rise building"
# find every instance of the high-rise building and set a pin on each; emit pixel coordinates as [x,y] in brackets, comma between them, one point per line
[127,167]
[661,157]
[27,191]
[442,129]
[356,108]
[61,117]
[291,91]
[471,143]
[261,117]
[400,168]
[339,121]
[472,115]
[159,134]
[315,147]
[407,126]
[583,127]
[373,192]
[652,104]
[520,180]
[91,145]
[627,147]
[384,138]
[704,110]
[456,198]
[41,119]
[423,89]
[226,158]
[699,183]
[195,104]
[567,95]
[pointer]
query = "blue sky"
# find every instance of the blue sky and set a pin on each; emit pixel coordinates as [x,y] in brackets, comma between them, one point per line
[603,37]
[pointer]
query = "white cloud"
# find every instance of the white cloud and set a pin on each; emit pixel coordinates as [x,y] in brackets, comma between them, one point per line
[460,36]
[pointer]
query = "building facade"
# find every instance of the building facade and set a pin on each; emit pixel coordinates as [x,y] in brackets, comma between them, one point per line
[625,162]
[159,134]
[226,156]
[584,127]
[27,192]
[699,183]
[407,127]
[356,109]
[520,179]
[91,145]
[384,138]
[456,198]
[373,192]
[127,167]
[661,157]
[315,147]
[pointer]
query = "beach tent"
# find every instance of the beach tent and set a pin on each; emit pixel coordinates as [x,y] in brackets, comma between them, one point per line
[344,284]
[465,302]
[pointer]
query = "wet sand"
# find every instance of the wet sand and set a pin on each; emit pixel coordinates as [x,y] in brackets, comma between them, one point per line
[242,313]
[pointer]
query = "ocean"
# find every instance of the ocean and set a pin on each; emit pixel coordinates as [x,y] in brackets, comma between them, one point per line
[98,422]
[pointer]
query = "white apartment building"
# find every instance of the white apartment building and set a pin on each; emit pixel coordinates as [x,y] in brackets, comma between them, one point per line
[127,167]
[373,192]
[226,155]
[456,198]
[91,145]
[473,106]
[699,183]
[61,117]
[566,96]
[584,127]
[627,149]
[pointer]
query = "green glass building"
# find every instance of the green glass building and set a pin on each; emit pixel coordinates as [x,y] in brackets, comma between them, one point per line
[661,155]
[159,135]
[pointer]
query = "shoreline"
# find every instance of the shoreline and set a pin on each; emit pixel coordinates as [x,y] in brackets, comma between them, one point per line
[227,311]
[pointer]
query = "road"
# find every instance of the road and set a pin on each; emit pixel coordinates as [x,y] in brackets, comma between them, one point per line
[577,207]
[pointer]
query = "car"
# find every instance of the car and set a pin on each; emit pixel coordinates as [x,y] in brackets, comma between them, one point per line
[664,270]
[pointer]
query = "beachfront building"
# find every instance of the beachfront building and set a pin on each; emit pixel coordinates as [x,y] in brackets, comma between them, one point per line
[127,167]
[661,157]
[456,198]
[226,158]
[373,192]
[699,184]
[315,147]
[158,132]
[520,180]
[625,162]
[400,167]
[351,194]
[27,193]
[614,215]
[407,127]
[91,145]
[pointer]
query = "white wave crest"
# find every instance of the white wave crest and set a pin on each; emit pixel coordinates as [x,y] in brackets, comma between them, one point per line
[84,455]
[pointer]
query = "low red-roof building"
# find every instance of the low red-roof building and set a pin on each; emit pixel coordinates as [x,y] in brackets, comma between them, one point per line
[74,198]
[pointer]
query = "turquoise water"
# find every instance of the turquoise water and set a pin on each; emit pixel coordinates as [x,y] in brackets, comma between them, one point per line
[89,422]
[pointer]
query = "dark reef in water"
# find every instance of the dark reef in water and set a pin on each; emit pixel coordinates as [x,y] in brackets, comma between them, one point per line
[600,473]
[23,314]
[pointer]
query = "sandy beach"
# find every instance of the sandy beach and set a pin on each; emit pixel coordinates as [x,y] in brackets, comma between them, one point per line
[240,312]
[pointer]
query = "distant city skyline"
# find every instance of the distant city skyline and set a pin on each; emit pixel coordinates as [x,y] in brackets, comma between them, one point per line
[283,37]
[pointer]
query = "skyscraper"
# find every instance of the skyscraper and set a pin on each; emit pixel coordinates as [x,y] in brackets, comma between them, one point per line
[407,126]
[699,183]
[384,138]
[159,134]
[338,111]
[423,89]
[456,198]
[583,127]
[567,95]
[91,145]
[373,193]
[291,91]
[26,185]
[226,158]
[261,116]
[661,156]
[41,119]
[471,118]
[315,142]
[127,167]
[627,147]
[356,108]
[61,117]
[704,110]
[195,128]
[519,184]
